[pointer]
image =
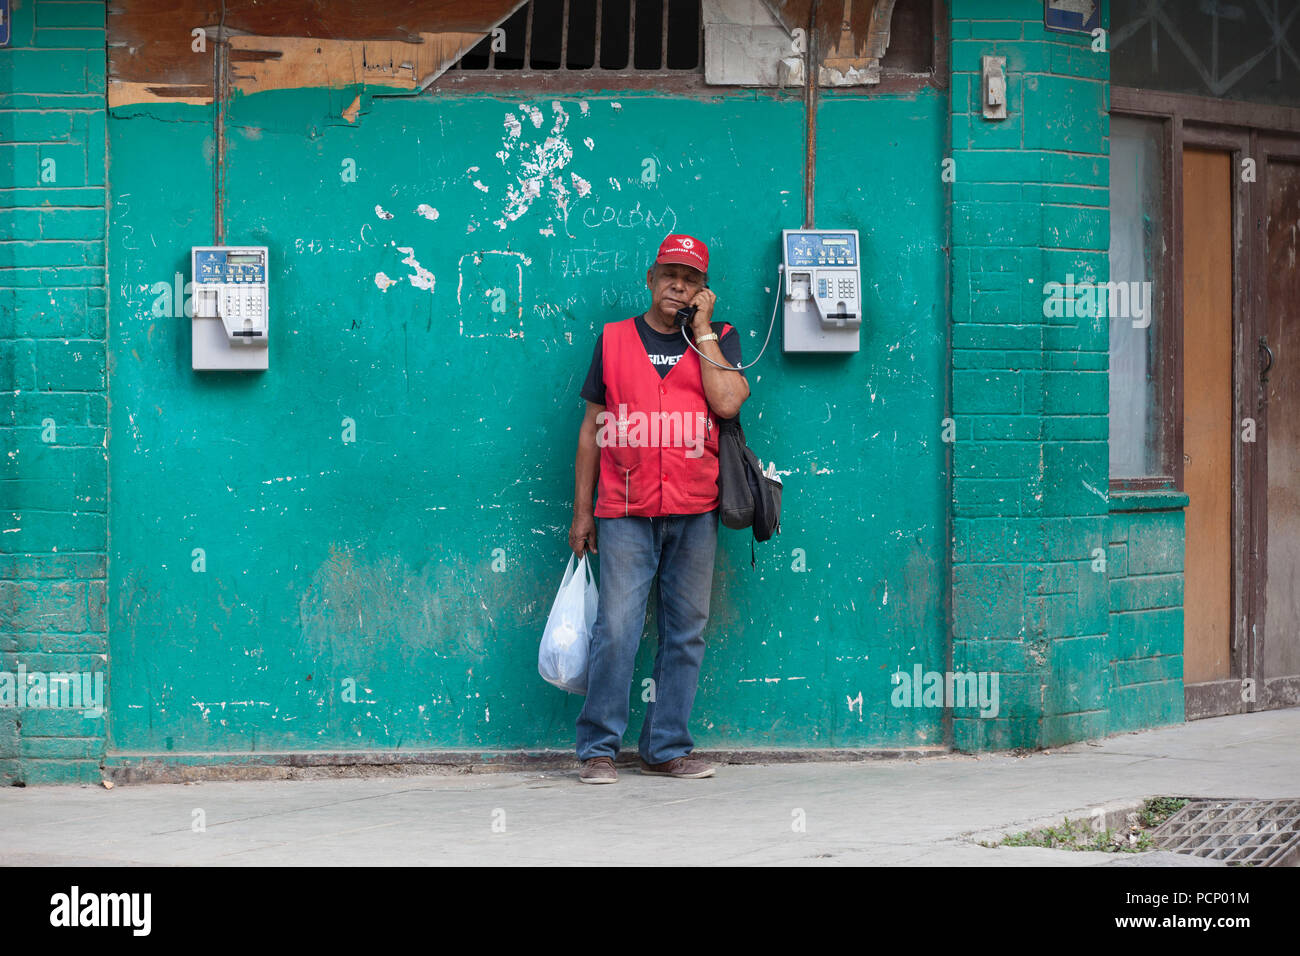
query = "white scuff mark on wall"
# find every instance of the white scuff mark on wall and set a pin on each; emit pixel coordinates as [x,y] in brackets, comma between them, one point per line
[1095,491]
[382,213]
[548,231]
[581,185]
[384,282]
[427,211]
[478,184]
[319,474]
[614,182]
[513,126]
[583,107]
[617,106]
[420,277]
[589,142]
[884,601]
[534,114]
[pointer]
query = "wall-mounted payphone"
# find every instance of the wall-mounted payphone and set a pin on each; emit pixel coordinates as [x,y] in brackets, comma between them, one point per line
[231,308]
[823,290]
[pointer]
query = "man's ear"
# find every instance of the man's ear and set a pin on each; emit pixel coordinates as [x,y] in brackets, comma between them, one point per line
[650,277]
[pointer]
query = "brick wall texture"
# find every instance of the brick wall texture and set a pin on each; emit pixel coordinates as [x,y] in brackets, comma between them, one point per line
[53,396]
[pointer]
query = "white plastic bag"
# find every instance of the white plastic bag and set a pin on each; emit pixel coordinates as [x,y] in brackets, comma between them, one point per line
[562,658]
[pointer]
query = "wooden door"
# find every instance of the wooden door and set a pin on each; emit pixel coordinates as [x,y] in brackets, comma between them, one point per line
[1208,433]
[1277,656]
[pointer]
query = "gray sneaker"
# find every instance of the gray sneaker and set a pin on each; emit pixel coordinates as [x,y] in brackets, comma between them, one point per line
[687,767]
[598,770]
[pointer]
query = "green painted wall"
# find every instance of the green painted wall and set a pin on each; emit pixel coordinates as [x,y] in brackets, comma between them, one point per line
[374,560]
[53,412]
[1029,392]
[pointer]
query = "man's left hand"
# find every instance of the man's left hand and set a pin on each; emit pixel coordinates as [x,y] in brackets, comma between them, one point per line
[704,300]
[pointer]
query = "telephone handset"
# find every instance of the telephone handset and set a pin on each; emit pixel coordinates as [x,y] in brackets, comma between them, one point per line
[685,315]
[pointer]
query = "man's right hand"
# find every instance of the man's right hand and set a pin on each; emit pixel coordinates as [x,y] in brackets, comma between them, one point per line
[582,535]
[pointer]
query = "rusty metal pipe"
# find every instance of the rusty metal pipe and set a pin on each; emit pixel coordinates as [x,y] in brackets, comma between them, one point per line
[810,118]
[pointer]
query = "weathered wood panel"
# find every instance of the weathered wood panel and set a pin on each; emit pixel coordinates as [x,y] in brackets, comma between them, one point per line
[155,55]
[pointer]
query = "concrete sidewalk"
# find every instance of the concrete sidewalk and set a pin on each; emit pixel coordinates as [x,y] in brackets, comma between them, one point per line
[927,811]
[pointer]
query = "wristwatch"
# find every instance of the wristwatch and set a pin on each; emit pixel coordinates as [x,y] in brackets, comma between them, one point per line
[705,338]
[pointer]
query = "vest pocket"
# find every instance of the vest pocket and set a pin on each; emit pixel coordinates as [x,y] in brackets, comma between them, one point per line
[702,468]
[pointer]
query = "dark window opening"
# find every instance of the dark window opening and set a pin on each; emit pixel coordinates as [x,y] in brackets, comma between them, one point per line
[649,34]
[516,30]
[613,29]
[683,28]
[911,39]
[582,34]
[548,34]
[593,36]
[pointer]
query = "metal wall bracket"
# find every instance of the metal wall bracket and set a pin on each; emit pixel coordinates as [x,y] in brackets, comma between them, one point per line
[993,86]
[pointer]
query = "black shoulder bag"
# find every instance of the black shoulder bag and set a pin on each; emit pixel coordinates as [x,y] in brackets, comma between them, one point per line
[748,497]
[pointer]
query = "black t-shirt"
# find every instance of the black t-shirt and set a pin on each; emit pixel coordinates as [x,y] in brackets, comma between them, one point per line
[664,350]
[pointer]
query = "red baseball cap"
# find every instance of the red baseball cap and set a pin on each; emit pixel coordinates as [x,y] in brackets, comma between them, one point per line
[684,250]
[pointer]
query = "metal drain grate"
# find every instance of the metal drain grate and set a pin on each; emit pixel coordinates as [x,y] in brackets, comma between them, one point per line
[1243,832]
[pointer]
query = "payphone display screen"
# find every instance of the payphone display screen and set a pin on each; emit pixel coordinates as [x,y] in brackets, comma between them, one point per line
[219,266]
[819,249]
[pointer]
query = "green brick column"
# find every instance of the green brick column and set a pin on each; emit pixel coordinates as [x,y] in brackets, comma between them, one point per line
[53,506]
[1029,393]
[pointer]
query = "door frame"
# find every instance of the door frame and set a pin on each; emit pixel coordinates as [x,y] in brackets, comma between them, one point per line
[1245,130]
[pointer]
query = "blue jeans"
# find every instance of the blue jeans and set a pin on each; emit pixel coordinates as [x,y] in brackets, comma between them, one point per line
[680,548]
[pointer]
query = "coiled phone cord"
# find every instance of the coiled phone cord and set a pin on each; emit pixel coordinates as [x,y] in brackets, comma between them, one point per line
[780,272]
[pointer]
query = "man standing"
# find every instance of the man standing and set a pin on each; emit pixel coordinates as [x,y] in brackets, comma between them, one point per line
[652,462]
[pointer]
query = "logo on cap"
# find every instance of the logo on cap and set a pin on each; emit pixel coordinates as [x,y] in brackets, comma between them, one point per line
[684,250]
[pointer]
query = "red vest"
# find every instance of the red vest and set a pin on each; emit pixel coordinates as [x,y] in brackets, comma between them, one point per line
[658,438]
